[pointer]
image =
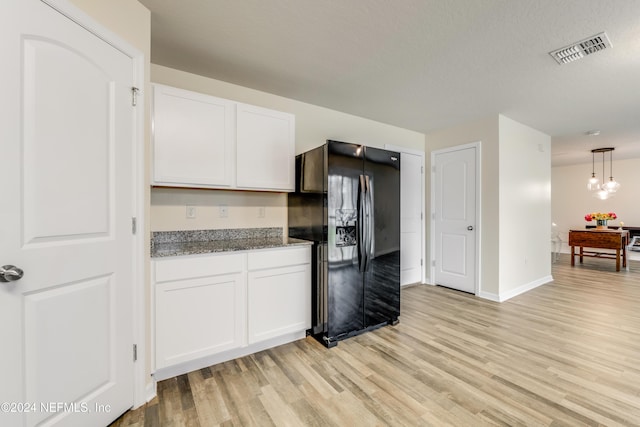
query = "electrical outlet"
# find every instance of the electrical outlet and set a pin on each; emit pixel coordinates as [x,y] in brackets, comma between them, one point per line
[223,211]
[261,212]
[191,211]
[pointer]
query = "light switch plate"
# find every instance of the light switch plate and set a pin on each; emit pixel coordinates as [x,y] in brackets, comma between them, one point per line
[261,210]
[223,211]
[191,211]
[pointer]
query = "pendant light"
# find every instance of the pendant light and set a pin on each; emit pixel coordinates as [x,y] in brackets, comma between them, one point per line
[594,183]
[612,186]
[606,189]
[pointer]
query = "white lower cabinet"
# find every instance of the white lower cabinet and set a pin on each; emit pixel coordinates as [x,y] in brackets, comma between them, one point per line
[274,296]
[200,306]
[198,317]
[211,308]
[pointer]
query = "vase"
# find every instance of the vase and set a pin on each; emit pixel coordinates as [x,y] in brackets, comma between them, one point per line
[601,224]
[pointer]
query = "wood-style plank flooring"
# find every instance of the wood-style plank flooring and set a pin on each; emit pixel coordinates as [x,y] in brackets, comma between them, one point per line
[564,354]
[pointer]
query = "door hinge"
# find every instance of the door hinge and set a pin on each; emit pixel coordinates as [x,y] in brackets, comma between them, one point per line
[433,263]
[135,352]
[134,96]
[421,169]
[421,216]
[134,225]
[420,262]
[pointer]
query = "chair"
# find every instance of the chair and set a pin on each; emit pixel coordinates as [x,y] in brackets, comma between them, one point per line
[556,242]
[634,245]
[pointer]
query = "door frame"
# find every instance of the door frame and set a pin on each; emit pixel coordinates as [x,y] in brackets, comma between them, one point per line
[423,246]
[432,238]
[141,393]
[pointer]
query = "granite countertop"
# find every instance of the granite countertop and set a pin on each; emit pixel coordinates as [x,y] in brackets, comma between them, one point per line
[178,243]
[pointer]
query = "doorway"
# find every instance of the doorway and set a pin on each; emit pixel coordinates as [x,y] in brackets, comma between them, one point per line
[72,261]
[412,237]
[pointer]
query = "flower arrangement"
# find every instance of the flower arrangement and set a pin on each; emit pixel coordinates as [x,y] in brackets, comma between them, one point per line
[600,216]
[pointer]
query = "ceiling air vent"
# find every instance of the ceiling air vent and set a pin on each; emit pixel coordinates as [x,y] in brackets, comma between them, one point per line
[581,49]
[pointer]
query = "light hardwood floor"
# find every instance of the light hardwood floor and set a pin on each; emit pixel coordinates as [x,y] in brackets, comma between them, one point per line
[565,353]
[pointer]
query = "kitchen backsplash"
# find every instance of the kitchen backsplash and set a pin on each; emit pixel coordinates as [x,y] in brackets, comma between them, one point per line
[216,209]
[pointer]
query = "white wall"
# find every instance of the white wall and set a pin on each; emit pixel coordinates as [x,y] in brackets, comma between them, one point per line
[570,200]
[314,125]
[525,207]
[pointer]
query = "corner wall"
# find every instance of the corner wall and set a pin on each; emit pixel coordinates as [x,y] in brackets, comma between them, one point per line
[525,208]
[514,191]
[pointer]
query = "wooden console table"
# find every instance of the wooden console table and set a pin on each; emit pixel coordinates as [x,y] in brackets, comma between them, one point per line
[600,239]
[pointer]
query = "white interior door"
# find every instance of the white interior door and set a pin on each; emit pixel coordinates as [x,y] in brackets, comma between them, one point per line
[455,219]
[411,194]
[65,219]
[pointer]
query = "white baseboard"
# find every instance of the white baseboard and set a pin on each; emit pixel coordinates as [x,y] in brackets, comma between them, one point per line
[151,390]
[214,359]
[524,288]
[489,295]
[408,285]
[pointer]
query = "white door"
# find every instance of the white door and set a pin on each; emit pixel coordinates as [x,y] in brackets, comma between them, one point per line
[411,184]
[455,219]
[65,219]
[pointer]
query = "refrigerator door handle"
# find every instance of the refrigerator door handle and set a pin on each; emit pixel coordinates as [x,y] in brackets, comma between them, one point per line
[369,222]
[361,237]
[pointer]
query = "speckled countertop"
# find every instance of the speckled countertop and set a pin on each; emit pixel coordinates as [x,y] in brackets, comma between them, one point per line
[177,243]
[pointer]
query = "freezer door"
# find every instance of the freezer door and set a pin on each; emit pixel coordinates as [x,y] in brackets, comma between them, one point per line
[307,203]
[345,281]
[382,278]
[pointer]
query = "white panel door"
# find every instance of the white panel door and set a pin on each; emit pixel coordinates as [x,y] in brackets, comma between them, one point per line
[193,138]
[455,222]
[265,149]
[411,219]
[65,219]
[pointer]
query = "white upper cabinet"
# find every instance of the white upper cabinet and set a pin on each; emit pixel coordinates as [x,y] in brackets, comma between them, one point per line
[204,141]
[265,148]
[193,139]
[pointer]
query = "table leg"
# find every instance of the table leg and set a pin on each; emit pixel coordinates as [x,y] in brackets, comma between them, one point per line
[573,254]
[581,254]
[618,259]
[624,256]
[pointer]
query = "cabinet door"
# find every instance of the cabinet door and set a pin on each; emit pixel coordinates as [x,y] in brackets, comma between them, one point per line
[193,139]
[265,149]
[199,317]
[279,302]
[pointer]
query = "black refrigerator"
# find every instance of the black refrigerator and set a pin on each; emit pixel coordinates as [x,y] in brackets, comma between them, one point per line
[347,201]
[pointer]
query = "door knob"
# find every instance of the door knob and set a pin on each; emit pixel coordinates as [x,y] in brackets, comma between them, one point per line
[10,273]
[470,228]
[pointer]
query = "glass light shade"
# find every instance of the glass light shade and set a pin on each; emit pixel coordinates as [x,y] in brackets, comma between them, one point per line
[612,186]
[593,184]
[602,194]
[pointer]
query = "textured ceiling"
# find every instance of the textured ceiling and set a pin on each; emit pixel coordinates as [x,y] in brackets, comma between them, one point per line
[423,64]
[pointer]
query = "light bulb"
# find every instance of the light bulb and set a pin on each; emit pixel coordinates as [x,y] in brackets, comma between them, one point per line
[602,194]
[612,186]
[593,184]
